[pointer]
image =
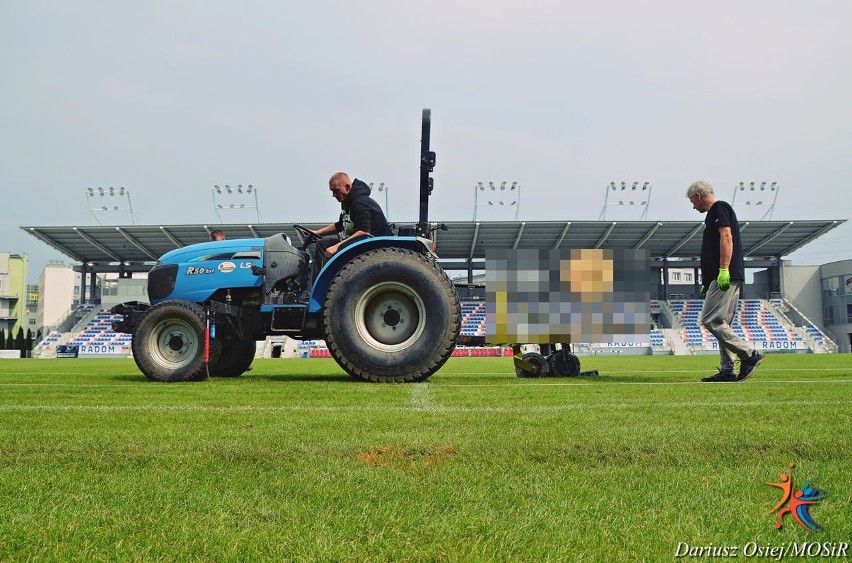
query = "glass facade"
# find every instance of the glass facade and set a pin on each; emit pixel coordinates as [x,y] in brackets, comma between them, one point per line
[837,299]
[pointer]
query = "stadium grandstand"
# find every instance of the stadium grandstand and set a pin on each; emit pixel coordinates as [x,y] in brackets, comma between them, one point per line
[767,316]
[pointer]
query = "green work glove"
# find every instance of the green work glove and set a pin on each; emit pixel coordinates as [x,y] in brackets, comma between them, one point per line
[724,279]
[703,290]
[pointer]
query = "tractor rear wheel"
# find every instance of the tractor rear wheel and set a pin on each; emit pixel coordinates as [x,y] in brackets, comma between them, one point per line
[391,315]
[234,357]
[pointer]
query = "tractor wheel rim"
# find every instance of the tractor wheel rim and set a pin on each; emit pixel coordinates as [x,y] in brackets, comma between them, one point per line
[173,343]
[390,316]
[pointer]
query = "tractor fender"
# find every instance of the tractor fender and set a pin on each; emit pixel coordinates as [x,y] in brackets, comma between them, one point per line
[341,258]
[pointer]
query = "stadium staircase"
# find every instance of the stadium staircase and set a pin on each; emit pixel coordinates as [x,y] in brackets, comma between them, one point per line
[817,339]
[672,341]
[666,338]
[47,347]
[68,327]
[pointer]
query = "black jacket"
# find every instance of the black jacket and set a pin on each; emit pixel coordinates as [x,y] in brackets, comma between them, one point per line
[360,212]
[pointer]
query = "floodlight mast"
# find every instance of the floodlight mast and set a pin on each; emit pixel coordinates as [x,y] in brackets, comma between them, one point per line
[382,188]
[642,197]
[518,200]
[133,216]
[503,196]
[756,196]
[111,192]
[235,194]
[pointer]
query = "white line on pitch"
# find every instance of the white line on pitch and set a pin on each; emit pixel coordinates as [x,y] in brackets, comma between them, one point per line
[422,398]
[574,382]
[510,381]
[413,408]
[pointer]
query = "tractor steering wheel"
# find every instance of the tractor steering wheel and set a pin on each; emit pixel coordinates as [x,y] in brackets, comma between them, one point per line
[308,236]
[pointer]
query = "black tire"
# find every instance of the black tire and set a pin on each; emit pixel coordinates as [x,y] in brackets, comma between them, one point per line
[391,315]
[563,364]
[168,344]
[235,357]
[537,359]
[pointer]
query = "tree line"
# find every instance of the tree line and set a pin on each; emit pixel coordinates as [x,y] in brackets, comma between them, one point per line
[17,341]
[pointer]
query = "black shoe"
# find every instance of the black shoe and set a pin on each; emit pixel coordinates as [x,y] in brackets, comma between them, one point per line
[721,377]
[748,365]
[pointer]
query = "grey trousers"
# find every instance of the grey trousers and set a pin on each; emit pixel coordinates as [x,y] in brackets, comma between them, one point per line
[718,314]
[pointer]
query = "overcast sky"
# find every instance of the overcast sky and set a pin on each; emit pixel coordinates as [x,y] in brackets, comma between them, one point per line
[168,98]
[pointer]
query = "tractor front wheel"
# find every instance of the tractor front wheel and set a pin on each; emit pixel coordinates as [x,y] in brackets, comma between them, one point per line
[168,344]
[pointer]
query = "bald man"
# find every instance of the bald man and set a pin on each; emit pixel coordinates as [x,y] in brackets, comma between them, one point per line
[360,217]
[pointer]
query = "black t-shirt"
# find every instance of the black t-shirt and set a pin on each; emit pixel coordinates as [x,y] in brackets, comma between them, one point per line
[720,215]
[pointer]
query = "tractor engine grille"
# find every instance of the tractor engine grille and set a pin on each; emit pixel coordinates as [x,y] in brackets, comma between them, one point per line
[161,281]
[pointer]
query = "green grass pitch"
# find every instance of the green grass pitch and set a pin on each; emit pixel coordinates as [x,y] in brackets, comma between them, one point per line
[293,461]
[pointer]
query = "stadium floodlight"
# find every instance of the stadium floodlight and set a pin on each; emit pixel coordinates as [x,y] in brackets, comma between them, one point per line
[505,195]
[233,198]
[382,188]
[111,199]
[634,195]
[754,195]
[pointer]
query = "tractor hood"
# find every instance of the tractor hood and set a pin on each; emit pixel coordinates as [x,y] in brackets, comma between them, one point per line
[247,248]
[194,273]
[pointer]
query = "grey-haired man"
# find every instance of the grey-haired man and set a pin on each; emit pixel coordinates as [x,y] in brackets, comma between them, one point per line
[722,275]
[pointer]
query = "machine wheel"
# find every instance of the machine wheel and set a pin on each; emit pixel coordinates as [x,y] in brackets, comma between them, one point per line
[563,364]
[234,358]
[538,360]
[169,342]
[391,315]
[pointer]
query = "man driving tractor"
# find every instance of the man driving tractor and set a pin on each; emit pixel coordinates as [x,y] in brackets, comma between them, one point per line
[360,217]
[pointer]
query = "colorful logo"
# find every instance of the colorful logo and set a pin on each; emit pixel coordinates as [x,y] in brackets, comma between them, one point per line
[797,503]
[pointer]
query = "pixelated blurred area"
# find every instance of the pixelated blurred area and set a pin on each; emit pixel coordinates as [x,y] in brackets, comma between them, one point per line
[567,295]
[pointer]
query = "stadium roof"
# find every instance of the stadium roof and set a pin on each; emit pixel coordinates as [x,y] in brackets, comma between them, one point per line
[135,247]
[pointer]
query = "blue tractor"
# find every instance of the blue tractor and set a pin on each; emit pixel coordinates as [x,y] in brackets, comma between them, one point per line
[385,308]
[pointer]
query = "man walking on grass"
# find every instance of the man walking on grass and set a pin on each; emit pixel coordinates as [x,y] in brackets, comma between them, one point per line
[722,276]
